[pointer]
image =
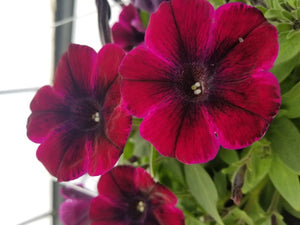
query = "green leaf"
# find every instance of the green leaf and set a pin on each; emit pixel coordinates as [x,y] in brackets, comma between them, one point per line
[284,69]
[228,156]
[290,102]
[285,142]
[217,3]
[236,216]
[128,150]
[203,189]
[288,48]
[283,27]
[257,168]
[221,184]
[286,181]
[190,220]
[145,17]
[274,14]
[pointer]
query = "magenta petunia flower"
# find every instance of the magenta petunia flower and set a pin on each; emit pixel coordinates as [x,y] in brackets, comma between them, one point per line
[129,195]
[80,122]
[202,79]
[129,31]
[75,209]
[147,5]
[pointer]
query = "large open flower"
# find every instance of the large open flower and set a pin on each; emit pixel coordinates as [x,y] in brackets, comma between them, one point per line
[202,79]
[129,195]
[80,122]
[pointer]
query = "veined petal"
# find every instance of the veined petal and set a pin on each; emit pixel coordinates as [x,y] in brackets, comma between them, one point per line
[103,156]
[235,127]
[48,111]
[118,126]
[144,181]
[257,51]
[75,71]
[232,22]
[259,94]
[193,19]
[181,131]
[166,215]
[64,154]
[241,112]
[105,212]
[162,195]
[177,31]
[118,184]
[147,80]
[108,62]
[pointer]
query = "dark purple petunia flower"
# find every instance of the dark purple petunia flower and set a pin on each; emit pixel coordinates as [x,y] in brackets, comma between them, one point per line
[80,122]
[75,209]
[129,31]
[129,195]
[147,5]
[202,79]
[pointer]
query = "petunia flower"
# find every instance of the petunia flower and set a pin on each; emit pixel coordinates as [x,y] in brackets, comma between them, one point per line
[75,209]
[202,79]
[147,5]
[129,31]
[80,122]
[129,195]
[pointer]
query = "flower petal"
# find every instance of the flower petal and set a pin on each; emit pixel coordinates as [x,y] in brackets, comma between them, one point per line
[259,94]
[75,70]
[257,51]
[123,35]
[108,147]
[118,184]
[105,212]
[144,181]
[166,215]
[75,212]
[242,111]
[162,195]
[147,80]
[48,111]
[177,27]
[193,20]
[108,62]
[232,22]
[64,154]
[103,157]
[182,131]
[118,126]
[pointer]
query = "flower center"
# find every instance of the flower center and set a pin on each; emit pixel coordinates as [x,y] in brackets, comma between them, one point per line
[137,211]
[85,114]
[192,82]
[140,206]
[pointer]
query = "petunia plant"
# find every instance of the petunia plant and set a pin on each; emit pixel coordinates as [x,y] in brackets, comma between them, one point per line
[191,116]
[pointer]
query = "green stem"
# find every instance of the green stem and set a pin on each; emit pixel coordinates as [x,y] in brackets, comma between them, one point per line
[274,202]
[151,160]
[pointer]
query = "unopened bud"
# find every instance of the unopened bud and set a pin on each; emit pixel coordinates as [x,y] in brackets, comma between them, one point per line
[238,183]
